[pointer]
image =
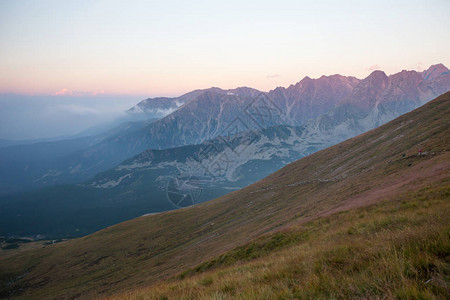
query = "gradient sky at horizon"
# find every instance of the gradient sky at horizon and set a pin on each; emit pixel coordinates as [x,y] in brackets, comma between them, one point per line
[166,48]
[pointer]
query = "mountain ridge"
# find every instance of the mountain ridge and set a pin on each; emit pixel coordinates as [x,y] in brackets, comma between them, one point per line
[184,126]
[372,101]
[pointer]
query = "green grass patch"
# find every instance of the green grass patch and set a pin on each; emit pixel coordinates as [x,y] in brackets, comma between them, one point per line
[258,248]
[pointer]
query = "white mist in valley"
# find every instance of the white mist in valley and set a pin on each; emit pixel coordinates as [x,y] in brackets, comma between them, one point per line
[43,117]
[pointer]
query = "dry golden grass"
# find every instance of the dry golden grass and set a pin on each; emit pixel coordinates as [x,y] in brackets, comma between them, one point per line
[399,248]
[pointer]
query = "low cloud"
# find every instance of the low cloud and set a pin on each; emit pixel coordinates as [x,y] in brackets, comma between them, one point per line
[69,92]
[75,109]
[374,67]
[44,116]
[273,76]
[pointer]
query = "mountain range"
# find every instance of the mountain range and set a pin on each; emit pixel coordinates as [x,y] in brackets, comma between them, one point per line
[202,115]
[215,142]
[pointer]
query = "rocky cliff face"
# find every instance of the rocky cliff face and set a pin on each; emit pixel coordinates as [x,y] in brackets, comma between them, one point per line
[378,99]
[310,98]
[434,71]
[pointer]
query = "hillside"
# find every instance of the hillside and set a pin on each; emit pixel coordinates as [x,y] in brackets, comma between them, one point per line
[369,211]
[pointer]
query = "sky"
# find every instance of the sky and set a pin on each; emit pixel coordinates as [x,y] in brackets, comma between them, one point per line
[166,48]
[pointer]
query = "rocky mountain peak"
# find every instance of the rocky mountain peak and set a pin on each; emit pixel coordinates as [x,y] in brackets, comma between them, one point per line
[434,71]
[405,78]
[377,78]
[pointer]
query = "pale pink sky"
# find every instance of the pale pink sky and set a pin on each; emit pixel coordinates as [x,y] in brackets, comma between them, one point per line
[170,47]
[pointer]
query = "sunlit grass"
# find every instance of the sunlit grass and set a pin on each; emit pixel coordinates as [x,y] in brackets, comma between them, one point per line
[396,249]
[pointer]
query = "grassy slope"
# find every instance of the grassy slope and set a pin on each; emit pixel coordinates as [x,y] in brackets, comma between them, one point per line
[398,248]
[380,167]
